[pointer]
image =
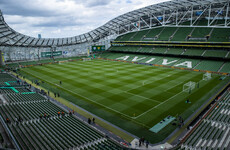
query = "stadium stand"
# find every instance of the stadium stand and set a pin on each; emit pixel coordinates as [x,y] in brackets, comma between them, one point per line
[213,131]
[12,90]
[209,65]
[179,34]
[152,34]
[35,123]
[215,53]
[194,62]
[175,51]
[139,35]
[199,34]
[220,35]
[126,37]
[166,34]
[198,42]
[226,67]
[194,52]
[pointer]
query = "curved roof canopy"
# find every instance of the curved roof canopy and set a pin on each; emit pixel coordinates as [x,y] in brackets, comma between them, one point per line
[118,25]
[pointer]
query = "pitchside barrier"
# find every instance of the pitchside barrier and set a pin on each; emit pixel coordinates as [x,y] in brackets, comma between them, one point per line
[55,62]
[86,59]
[63,61]
[220,73]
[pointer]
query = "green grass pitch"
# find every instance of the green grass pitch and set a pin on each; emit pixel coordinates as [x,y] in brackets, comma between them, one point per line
[134,97]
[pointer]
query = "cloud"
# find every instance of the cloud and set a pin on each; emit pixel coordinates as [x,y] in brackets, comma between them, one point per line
[64,21]
[128,1]
[26,8]
[94,3]
[64,18]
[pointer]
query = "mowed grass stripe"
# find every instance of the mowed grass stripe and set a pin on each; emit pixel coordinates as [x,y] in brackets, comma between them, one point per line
[78,95]
[119,86]
[157,87]
[74,84]
[177,103]
[111,97]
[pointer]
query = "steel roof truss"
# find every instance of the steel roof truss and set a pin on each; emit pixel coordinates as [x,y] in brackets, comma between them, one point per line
[218,14]
[184,15]
[157,19]
[226,16]
[199,15]
[18,40]
[145,22]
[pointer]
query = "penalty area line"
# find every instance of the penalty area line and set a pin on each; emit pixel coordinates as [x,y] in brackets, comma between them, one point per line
[150,82]
[84,97]
[143,97]
[156,106]
[174,86]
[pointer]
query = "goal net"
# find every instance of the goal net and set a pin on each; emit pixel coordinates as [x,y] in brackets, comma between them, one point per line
[188,87]
[207,76]
[86,59]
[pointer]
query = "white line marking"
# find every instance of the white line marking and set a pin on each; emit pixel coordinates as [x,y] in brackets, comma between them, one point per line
[84,97]
[156,106]
[151,81]
[174,86]
[143,97]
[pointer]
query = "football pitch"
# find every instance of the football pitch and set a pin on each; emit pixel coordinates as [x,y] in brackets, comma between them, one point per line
[139,95]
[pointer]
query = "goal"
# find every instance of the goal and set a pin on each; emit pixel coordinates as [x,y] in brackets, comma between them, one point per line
[207,76]
[188,87]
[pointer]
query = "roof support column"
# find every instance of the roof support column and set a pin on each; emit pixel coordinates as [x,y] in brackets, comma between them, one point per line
[118,30]
[218,13]
[163,19]
[176,17]
[191,16]
[200,15]
[209,14]
[139,24]
[183,16]
[145,22]
[157,19]
[226,17]
[151,22]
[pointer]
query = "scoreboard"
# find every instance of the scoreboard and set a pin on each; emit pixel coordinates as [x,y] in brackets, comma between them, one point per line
[98,48]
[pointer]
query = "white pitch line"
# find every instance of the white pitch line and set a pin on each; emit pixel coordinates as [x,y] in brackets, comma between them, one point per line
[143,97]
[85,97]
[174,86]
[155,106]
[146,83]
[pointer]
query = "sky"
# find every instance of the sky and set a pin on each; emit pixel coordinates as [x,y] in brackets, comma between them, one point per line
[64,18]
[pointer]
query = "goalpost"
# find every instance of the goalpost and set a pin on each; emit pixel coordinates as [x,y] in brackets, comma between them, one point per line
[188,87]
[207,76]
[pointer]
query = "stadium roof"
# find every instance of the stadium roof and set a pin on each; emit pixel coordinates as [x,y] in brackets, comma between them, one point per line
[12,38]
